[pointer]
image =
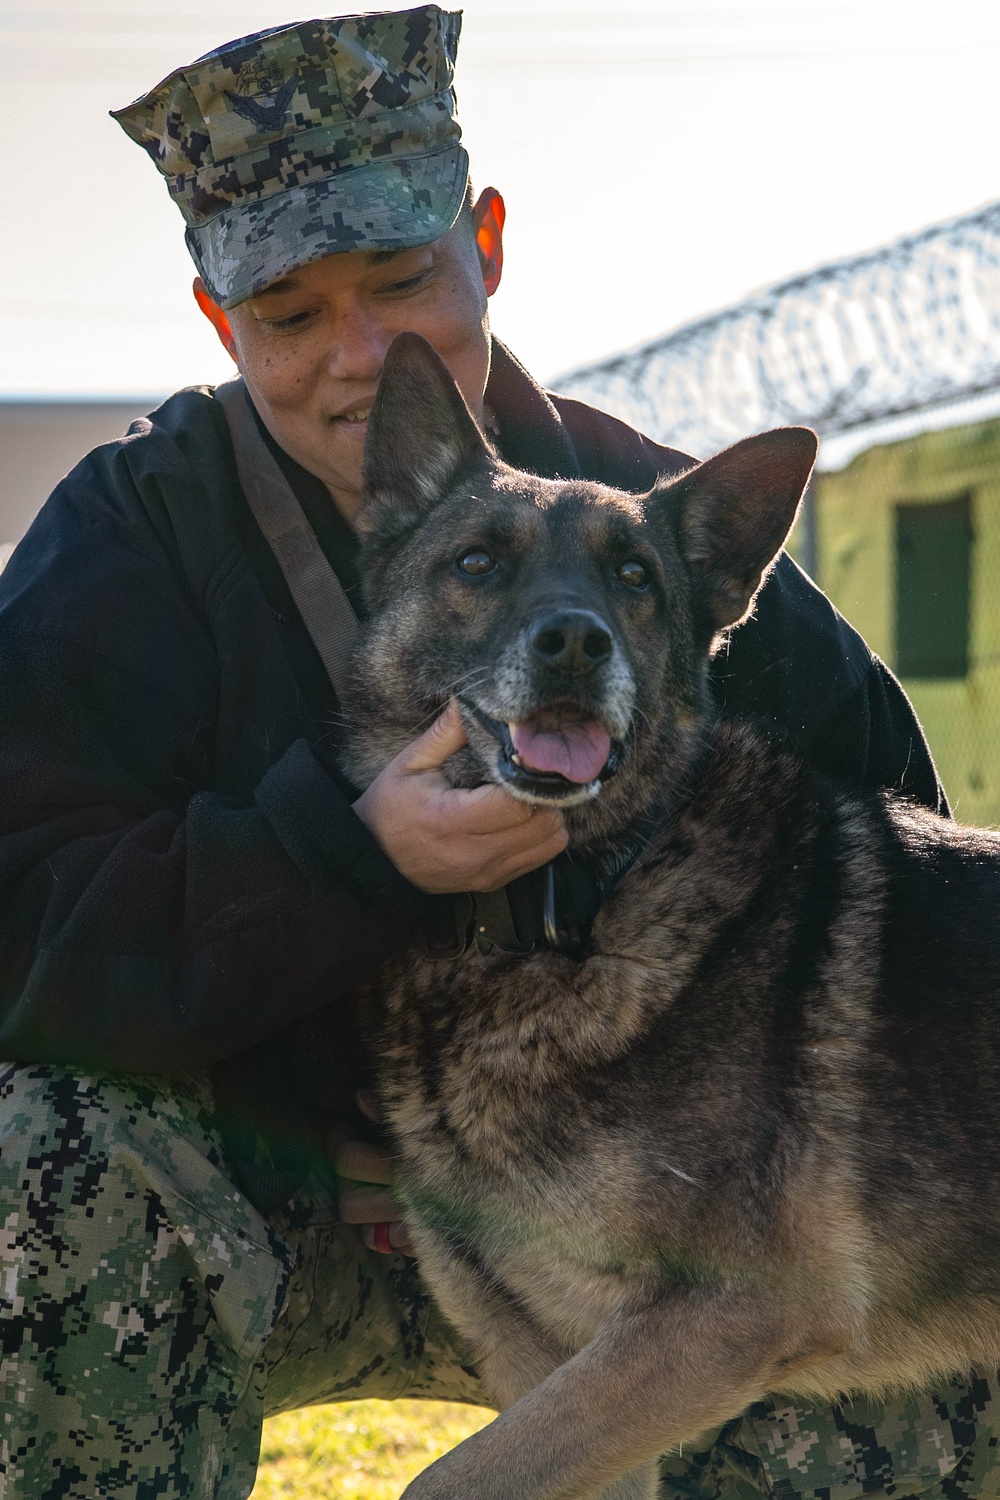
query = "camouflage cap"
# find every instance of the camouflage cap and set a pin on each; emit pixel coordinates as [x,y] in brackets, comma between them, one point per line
[306,140]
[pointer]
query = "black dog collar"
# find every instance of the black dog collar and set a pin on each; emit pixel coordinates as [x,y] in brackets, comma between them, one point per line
[553,907]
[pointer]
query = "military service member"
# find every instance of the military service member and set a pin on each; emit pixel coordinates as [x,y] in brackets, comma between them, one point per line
[190,888]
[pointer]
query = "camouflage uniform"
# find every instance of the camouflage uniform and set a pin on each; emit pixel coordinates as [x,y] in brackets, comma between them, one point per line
[150,1317]
[937,1443]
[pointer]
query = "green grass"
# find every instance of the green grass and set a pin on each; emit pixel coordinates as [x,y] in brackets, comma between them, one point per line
[358,1450]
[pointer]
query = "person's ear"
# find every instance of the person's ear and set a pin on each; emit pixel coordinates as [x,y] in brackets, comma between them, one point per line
[488,217]
[215,315]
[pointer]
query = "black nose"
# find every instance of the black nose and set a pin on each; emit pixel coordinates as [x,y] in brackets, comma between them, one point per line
[573,641]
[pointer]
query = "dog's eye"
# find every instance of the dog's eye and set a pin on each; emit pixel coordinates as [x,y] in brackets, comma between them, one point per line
[475,562]
[633,573]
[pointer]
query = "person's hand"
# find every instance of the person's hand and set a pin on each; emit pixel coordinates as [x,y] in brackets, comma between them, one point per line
[445,840]
[371,1204]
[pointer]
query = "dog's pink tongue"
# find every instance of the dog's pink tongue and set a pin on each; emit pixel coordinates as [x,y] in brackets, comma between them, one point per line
[577,750]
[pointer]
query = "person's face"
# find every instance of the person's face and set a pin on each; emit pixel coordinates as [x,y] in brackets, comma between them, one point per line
[310,347]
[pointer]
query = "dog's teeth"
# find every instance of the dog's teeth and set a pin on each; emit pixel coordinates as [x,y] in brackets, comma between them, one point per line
[516,759]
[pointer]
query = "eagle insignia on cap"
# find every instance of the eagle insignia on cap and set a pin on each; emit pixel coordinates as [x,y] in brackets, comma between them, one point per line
[262,96]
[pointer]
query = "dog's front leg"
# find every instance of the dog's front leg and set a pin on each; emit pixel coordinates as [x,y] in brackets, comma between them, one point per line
[639,1484]
[655,1375]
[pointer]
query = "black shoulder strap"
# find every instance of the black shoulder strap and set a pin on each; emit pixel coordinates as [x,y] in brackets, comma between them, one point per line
[318,593]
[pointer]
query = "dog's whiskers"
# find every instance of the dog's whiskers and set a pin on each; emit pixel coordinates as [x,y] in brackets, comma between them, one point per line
[470,678]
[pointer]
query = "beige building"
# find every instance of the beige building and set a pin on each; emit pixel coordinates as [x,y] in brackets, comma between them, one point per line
[40,441]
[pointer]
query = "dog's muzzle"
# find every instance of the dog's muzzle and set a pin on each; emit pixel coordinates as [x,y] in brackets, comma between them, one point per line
[584,741]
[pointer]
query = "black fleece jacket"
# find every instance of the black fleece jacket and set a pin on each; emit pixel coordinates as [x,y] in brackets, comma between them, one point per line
[183,882]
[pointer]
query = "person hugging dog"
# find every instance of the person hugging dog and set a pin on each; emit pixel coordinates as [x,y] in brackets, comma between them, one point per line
[192,889]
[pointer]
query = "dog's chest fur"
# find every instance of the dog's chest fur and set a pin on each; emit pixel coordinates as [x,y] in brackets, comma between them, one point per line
[577,1133]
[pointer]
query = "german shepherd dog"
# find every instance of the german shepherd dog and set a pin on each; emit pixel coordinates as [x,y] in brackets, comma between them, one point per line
[743,1140]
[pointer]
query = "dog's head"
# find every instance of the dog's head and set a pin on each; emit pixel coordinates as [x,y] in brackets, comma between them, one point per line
[572,622]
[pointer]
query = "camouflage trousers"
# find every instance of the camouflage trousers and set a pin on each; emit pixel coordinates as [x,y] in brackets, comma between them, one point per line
[150,1318]
[941,1444]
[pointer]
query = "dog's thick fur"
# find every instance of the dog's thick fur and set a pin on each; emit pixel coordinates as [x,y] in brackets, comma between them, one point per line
[747,1144]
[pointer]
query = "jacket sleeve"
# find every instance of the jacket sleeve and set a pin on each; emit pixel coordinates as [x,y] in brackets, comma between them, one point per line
[799,665]
[876,740]
[150,921]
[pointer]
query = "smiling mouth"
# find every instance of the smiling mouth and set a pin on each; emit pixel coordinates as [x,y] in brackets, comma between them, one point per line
[556,754]
[356,419]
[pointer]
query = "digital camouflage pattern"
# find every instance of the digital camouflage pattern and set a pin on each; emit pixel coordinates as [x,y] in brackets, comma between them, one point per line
[150,1317]
[139,1289]
[941,1443]
[302,141]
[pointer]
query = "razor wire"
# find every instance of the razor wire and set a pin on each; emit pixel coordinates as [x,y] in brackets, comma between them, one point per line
[911,325]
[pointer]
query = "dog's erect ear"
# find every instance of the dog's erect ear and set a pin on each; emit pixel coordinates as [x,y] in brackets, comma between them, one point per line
[733,512]
[420,433]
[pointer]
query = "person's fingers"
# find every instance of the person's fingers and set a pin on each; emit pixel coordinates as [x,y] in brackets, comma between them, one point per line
[367,1102]
[435,745]
[493,809]
[368,1205]
[388,1238]
[486,864]
[542,828]
[502,872]
[399,1238]
[489,809]
[527,849]
[360,1161]
[452,839]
